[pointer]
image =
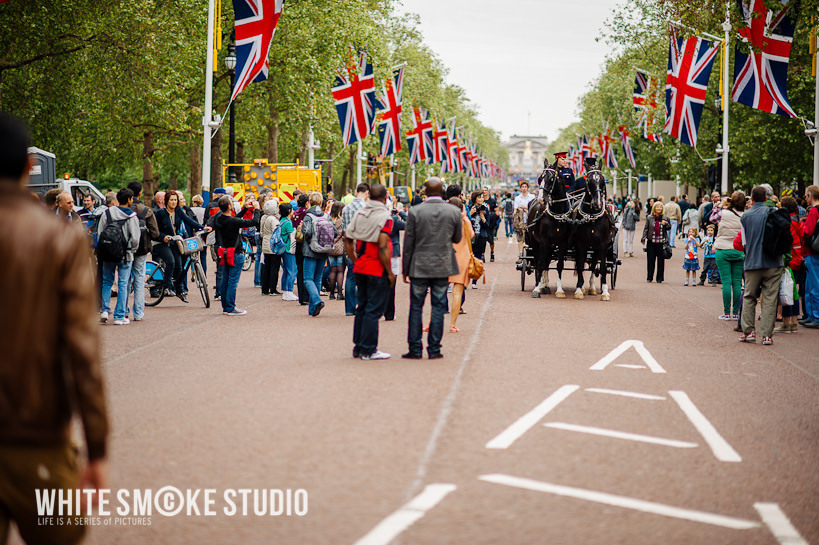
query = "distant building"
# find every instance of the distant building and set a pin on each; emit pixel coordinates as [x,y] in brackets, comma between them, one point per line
[526,155]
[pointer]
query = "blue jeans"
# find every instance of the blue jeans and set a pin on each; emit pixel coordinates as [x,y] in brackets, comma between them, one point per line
[313,270]
[437,295]
[123,270]
[289,274]
[507,223]
[672,236]
[812,287]
[137,280]
[373,292]
[349,289]
[230,281]
[257,267]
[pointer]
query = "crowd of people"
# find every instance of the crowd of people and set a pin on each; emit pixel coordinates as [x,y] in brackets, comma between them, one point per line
[724,242]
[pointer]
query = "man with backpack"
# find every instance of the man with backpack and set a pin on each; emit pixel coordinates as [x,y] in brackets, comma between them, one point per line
[508,206]
[117,242]
[763,271]
[148,232]
[319,240]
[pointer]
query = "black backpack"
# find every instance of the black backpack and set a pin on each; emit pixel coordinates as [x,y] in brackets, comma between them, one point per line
[111,246]
[776,238]
[145,245]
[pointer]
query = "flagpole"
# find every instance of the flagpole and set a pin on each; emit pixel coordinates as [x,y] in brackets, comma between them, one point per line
[358,162]
[726,26]
[206,120]
[816,116]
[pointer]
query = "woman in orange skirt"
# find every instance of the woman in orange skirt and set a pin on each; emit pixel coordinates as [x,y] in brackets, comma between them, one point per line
[462,254]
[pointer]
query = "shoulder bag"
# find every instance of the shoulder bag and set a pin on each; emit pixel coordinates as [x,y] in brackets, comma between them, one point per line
[474,269]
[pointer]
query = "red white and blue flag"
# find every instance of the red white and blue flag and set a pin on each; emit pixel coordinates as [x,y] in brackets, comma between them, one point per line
[417,150]
[689,67]
[627,149]
[452,163]
[254,26]
[645,103]
[441,140]
[354,95]
[761,66]
[388,102]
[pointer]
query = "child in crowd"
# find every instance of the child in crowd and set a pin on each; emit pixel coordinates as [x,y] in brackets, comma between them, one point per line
[691,263]
[709,264]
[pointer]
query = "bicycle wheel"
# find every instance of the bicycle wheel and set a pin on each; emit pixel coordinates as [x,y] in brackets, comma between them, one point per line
[201,283]
[250,255]
[154,283]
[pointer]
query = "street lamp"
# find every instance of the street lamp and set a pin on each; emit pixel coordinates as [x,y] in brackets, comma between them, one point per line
[230,64]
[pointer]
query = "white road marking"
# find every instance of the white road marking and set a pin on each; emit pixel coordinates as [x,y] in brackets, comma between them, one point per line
[625,394]
[449,401]
[525,422]
[630,366]
[623,501]
[389,528]
[625,345]
[620,435]
[778,522]
[722,450]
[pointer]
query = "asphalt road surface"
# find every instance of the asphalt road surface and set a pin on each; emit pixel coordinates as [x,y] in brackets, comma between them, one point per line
[638,420]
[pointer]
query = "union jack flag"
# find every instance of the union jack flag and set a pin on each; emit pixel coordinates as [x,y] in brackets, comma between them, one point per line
[452,163]
[254,26]
[440,139]
[354,95]
[606,149]
[645,103]
[761,73]
[627,149]
[689,67]
[389,102]
[415,138]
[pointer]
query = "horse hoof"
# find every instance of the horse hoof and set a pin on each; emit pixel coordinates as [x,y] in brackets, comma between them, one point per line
[547,290]
[536,294]
[560,295]
[592,291]
[605,297]
[578,296]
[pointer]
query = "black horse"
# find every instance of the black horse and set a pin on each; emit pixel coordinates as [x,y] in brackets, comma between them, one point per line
[595,231]
[549,229]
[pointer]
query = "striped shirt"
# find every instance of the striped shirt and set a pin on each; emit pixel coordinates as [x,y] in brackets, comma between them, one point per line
[349,211]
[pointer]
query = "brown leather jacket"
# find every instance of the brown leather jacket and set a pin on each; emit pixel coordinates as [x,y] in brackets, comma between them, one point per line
[49,331]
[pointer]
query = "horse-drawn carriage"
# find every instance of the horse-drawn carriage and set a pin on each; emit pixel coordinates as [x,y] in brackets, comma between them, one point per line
[576,228]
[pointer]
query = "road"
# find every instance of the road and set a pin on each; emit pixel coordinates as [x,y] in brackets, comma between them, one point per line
[638,420]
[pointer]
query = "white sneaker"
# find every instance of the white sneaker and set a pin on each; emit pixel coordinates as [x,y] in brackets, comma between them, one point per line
[377,355]
[235,312]
[123,321]
[103,317]
[289,296]
[474,286]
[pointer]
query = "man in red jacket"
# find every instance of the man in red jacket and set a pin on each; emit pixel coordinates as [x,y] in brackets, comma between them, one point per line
[811,259]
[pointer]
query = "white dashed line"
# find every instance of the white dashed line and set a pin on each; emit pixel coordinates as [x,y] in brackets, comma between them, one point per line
[389,528]
[625,394]
[778,523]
[620,435]
[722,450]
[525,422]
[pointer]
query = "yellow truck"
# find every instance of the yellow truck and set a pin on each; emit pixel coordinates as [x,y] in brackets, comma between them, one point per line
[282,178]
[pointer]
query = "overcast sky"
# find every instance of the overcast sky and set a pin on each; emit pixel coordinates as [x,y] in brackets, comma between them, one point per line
[523,63]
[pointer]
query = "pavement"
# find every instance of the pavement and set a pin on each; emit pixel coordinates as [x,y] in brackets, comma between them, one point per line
[637,420]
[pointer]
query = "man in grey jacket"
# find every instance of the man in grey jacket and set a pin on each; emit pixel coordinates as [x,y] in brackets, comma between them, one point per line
[428,261]
[130,230]
[762,272]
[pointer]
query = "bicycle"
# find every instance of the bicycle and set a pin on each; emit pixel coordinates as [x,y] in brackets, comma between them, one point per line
[155,272]
[248,238]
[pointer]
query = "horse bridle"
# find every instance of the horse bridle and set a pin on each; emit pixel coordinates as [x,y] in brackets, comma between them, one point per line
[600,198]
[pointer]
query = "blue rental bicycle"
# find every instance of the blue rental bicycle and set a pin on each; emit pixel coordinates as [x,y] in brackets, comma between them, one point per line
[155,272]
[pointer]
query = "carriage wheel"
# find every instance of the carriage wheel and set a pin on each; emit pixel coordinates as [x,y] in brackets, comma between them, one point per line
[614,274]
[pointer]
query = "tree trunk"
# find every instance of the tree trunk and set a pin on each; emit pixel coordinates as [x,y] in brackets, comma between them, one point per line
[273,136]
[173,181]
[240,152]
[216,161]
[329,167]
[196,169]
[305,141]
[147,165]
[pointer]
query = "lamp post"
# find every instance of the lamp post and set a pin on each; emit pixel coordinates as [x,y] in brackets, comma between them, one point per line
[230,64]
